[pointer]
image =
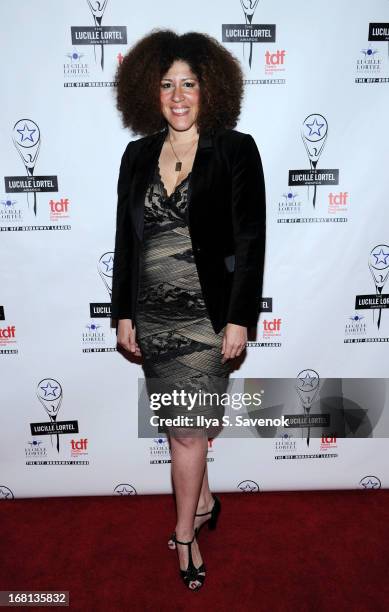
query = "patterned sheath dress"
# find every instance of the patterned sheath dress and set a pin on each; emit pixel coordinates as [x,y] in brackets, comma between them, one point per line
[179,346]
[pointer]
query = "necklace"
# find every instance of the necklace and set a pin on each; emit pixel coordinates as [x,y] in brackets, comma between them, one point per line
[178,165]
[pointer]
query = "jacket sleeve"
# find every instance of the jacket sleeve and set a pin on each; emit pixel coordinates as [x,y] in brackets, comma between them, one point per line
[121,285]
[249,230]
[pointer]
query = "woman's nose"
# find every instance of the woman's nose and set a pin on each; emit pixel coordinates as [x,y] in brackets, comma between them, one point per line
[178,94]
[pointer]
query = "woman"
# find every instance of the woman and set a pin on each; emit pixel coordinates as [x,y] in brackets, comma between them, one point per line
[189,248]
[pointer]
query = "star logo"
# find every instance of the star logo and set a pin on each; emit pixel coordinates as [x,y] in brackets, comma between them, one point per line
[308,381]
[314,127]
[108,264]
[49,390]
[381,257]
[26,133]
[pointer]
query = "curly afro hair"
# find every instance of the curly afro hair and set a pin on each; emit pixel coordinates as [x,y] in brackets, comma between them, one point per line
[138,80]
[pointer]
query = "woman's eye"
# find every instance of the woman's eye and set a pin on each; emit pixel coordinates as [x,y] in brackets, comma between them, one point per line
[188,84]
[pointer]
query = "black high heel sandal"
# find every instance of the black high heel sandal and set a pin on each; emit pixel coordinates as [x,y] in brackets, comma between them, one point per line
[212,521]
[192,573]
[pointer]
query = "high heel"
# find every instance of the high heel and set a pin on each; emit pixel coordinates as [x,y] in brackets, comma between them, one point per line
[192,573]
[212,521]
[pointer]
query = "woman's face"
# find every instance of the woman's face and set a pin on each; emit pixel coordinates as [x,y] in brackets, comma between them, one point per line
[180,96]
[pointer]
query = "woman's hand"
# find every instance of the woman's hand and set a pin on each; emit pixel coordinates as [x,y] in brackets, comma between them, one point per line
[126,337]
[234,341]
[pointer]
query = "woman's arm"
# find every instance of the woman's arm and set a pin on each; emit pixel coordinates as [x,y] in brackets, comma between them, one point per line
[121,294]
[249,227]
[121,276]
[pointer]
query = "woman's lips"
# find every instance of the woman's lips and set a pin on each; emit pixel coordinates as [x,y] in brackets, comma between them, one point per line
[180,111]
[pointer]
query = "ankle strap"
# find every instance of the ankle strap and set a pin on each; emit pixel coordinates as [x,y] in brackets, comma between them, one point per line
[187,543]
[210,512]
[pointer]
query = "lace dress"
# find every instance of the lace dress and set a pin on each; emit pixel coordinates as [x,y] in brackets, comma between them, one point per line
[180,349]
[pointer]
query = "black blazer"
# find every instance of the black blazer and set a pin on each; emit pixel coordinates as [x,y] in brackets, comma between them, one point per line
[226,218]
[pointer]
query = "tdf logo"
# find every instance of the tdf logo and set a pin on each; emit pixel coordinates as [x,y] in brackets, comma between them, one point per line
[60,206]
[275,59]
[7,332]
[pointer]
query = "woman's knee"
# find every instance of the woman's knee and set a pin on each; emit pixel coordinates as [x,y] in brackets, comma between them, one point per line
[187,439]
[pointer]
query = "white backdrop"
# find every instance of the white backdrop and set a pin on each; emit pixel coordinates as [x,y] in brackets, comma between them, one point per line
[317,93]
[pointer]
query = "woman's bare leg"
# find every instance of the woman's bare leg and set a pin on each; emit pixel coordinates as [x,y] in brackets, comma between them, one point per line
[205,502]
[205,494]
[188,455]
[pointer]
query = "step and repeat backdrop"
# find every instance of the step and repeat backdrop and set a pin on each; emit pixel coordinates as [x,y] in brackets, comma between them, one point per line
[316,102]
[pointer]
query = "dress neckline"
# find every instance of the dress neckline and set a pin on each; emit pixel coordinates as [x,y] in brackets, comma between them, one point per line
[176,187]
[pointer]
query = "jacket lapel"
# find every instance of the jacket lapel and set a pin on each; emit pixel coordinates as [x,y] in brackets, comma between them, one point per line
[199,182]
[145,163]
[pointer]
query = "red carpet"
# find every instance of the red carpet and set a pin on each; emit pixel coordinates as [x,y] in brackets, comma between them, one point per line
[310,551]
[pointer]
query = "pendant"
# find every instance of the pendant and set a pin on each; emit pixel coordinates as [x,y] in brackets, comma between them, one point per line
[178,166]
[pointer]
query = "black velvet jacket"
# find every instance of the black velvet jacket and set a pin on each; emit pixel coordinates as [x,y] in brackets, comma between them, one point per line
[226,217]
